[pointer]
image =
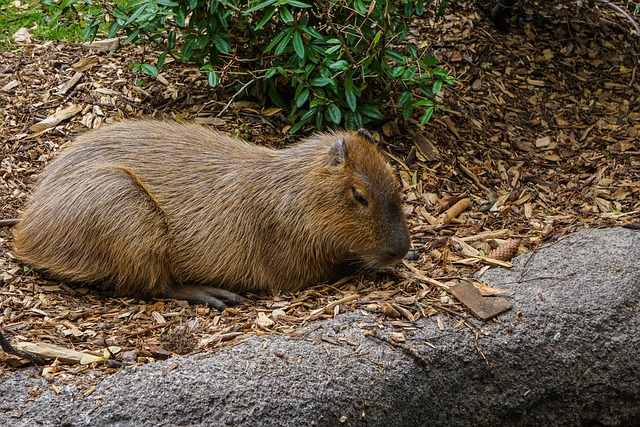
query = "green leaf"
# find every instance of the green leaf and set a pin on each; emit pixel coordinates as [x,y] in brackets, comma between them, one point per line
[371,111]
[66,3]
[213,78]
[314,33]
[302,99]
[429,61]
[168,3]
[201,43]
[270,72]
[284,43]
[133,36]
[352,102]
[317,102]
[221,44]
[412,51]
[276,96]
[149,69]
[407,111]
[357,120]
[397,72]
[285,15]
[437,85]
[348,84]
[298,45]
[267,16]
[423,103]
[405,98]
[161,59]
[296,3]
[135,15]
[295,128]
[319,121]
[410,73]
[334,114]
[260,6]
[341,65]
[408,9]
[332,49]
[406,102]
[441,8]
[91,31]
[396,56]
[180,18]
[321,81]
[171,39]
[359,6]
[275,41]
[427,115]
[115,27]
[309,114]
[377,37]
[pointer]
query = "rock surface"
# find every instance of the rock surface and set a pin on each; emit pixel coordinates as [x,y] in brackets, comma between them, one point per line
[568,353]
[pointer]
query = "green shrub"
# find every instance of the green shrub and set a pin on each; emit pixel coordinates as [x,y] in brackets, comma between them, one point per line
[330,63]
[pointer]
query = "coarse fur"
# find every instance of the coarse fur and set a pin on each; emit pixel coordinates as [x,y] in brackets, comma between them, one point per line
[148,208]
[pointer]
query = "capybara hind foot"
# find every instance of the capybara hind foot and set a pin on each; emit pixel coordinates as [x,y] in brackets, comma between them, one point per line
[215,297]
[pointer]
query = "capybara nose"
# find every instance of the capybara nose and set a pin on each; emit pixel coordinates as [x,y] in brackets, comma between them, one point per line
[398,252]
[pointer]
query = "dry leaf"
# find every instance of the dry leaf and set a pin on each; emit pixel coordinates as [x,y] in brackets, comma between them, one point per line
[397,337]
[483,307]
[486,290]
[50,351]
[263,321]
[59,116]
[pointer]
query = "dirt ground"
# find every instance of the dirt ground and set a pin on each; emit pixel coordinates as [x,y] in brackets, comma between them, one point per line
[541,133]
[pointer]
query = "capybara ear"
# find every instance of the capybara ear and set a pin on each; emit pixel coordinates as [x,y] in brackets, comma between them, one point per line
[338,153]
[365,134]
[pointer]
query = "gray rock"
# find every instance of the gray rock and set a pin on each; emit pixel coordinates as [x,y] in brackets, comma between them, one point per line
[568,353]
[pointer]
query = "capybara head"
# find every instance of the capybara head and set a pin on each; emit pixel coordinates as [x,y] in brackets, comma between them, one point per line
[364,213]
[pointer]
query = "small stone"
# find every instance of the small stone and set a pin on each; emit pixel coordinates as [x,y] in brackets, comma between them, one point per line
[22,36]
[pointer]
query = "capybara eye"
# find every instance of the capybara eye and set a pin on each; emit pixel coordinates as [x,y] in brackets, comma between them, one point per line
[359,197]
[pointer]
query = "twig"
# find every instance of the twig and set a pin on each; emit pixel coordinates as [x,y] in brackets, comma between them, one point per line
[9,349]
[334,303]
[235,95]
[483,356]
[302,335]
[626,15]
[473,177]
[418,275]
[9,222]
[453,313]
[562,277]
[523,270]
[151,328]
[405,348]
[455,210]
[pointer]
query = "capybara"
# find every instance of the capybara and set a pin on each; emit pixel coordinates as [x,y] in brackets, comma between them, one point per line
[164,209]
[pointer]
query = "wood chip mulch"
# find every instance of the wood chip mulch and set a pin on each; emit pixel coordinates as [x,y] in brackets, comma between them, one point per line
[539,138]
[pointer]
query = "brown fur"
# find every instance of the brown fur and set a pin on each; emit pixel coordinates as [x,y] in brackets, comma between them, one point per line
[146,207]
